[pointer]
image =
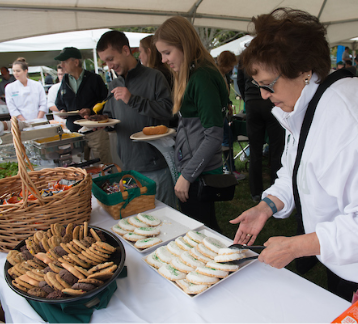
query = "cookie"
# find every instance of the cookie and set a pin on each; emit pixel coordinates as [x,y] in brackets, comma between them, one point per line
[196,236]
[147,242]
[182,244]
[226,251]
[76,233]
[100,267]
[205,251]
[92,282]
[45,287]
[200,279]
[119,230]
[95,235]
[80,233]
[84,286]
[54,241]
[52,281]
[73,270]
[133,237]
[71,248]
[171,273]
[103,274]
[124,224]
[68,277]
[20,287]
[178,264]
[190,261]
[64,246]
[190,288]
[55,268]
[147,231]
[14,257]
[44,243]
[197,255]
[213,244]
[212,272]
[135,221]
[27,282]
[150,220]
[191,242]
[99,253]
[93,257]
[174,248]
[80,262]
[62,282]
[20,269]
[164,254]
[229,257]
[59,250]
[38,236]
[82,270]
[105,246]
[73,292]
[38,292]
[85,229]
[69,229]
[154,261]
[75,247]
[80,245]
[223,266]
[43,257]
[53,254]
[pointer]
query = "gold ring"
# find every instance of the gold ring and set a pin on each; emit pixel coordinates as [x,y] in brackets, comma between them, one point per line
[248,235]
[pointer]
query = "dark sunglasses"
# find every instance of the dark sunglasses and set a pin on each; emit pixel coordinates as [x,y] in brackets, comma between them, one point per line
[268,87]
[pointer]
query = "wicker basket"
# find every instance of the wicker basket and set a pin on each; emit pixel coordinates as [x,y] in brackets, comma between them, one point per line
[20,220]
[127,202]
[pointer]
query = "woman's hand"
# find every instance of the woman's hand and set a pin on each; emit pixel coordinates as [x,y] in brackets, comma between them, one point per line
[280,251]
[182,189]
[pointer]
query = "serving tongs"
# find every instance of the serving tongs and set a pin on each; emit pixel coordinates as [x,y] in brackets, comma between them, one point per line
[98,107]
[243,247]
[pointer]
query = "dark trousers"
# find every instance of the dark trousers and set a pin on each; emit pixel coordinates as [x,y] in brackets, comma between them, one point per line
[340,287]
[259,120]
[203,212]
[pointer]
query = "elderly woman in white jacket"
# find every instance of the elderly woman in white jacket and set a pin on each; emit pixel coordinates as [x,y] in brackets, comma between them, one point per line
[25,98]
[288,59]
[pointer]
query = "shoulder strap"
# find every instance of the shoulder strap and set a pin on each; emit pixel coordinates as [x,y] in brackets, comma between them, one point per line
[307,121]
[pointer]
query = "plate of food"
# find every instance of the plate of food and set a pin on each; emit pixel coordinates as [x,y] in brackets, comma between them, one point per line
[152,133]
[66,113]
[198,261]
[145,231]
[64,264]
[95,121]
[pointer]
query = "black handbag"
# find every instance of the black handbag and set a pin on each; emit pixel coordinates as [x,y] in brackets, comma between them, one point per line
[214,187]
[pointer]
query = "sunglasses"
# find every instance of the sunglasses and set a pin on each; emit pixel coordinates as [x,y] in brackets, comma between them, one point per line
[268,87]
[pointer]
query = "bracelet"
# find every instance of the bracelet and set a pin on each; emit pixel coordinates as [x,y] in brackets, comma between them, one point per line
[271,204]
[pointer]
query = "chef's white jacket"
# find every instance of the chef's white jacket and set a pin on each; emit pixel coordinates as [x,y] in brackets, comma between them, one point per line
[26,101]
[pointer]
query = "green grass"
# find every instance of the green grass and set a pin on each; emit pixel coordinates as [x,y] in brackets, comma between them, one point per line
[226,211]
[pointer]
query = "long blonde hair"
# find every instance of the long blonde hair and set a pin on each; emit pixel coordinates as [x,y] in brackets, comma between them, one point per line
[177,31]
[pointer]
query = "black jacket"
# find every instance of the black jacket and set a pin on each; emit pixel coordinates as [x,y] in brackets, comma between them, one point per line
[247,89]
[92,90]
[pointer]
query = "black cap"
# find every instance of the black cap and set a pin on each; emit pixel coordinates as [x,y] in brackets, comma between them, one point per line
[69,52]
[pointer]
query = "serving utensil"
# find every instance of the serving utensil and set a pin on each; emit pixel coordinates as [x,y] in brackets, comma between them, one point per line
[249,247]
[98,107]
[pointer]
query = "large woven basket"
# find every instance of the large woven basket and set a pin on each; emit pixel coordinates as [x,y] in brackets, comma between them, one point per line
[20,220]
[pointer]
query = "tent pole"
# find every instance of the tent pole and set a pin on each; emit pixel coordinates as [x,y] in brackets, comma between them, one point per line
[95,61]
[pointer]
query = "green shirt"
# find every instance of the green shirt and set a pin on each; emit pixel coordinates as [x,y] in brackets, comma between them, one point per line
[75,84]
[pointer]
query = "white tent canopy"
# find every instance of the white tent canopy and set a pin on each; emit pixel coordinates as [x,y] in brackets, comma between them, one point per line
[23,18]
[41,50]
[236,46]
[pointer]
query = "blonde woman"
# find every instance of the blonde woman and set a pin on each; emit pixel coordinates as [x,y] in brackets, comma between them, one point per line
[25,98]
[201,96]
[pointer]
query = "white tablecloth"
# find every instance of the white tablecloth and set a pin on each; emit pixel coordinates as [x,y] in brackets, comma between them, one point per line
[258,293]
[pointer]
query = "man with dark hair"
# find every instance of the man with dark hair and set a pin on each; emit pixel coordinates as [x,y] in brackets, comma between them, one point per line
[142,97]
[350,67]
[6,79]
[81,90]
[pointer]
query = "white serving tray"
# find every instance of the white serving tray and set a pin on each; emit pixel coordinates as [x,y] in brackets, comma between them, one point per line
[208,232]
[173,225]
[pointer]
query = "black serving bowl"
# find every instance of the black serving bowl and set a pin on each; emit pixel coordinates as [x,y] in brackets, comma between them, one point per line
[118,257]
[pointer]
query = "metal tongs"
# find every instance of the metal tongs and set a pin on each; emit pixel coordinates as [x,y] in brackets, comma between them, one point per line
[243,247]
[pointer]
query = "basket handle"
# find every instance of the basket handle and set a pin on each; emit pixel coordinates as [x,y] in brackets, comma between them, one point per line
[24,164]
[106,167]
[123,189]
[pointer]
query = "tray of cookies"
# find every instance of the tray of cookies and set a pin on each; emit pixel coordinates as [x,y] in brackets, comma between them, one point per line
[65,264]
[198,261]
[145,231]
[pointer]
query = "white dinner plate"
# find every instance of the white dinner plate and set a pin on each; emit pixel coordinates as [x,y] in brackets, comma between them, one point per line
[173,225]
[222,239]
[141,137]
[66,113]
[94,124]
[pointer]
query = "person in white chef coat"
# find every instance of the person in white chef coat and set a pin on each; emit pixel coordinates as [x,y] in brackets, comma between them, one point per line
[25,98]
